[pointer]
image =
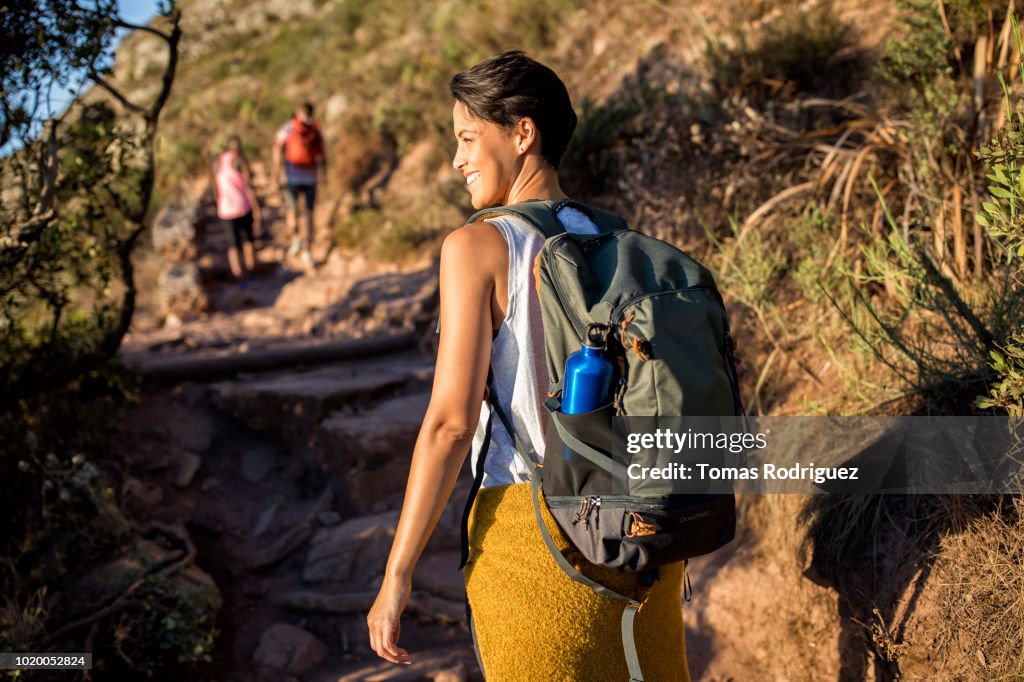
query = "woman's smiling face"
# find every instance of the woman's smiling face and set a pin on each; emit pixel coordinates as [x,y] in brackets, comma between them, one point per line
[486,156]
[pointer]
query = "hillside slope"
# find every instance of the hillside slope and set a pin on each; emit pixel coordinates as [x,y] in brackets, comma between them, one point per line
[747,133]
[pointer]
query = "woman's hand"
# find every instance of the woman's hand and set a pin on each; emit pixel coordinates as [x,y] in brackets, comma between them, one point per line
[384,619]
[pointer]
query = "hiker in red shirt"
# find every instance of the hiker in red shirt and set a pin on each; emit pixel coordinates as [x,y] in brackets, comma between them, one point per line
[237,205]
[299,163]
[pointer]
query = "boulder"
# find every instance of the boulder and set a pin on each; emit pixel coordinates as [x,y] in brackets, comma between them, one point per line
[289,648]
[180,290]
[174,231]
[257,463]
[305,293]
[353,553]
[438,573]
[191,429]
[382,488]
[188,465]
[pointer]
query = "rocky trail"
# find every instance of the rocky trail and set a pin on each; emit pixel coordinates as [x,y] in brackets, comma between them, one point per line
[190,304]
[275,432]
[289,484]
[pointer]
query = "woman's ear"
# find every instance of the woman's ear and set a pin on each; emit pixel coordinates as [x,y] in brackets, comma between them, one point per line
[525,134]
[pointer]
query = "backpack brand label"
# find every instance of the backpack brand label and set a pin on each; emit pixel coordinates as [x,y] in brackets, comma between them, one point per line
[694,517]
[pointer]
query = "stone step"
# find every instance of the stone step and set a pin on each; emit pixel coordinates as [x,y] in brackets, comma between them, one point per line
[377,436]
[268,357]
[293,403]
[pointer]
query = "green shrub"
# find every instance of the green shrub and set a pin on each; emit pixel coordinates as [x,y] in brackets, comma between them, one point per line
[1002,216]
[812,49]
[402,239]
[752,268]
[173,631]
[812,238]
[354,231]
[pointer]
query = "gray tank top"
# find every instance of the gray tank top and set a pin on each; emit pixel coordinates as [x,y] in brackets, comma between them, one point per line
[518,365]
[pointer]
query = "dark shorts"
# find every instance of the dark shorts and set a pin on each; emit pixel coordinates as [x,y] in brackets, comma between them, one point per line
[241,228]
[292,193]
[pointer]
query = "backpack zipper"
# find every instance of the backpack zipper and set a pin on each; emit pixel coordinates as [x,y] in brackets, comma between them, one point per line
[585,505]
[730,360]
[617,312]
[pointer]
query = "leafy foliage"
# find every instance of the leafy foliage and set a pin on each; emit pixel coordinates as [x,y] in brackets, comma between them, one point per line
[76,195]
[77,187]
[1003,217]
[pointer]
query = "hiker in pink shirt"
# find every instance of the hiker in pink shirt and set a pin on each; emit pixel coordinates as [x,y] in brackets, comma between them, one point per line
[237,205]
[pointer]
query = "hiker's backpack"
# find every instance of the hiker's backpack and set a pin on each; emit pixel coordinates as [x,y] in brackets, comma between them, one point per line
[667,325]
[304,144]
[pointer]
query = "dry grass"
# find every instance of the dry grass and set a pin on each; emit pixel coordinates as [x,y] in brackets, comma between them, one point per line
[22,624]
[983,606]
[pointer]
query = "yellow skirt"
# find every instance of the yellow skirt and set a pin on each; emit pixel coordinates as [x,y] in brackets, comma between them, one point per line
[532,622]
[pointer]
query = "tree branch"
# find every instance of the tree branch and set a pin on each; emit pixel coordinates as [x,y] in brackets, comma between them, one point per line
[50,175]
[115,93]
[29,231]
[172,64]
[121,23]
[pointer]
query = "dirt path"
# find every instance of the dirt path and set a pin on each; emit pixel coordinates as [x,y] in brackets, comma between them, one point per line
[339,295]
[289,476]
[290,484]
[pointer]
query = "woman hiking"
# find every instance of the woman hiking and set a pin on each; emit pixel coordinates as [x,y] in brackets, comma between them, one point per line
[237,206]
[530,621]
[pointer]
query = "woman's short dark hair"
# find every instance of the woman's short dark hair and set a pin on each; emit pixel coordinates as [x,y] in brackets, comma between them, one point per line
[509,86]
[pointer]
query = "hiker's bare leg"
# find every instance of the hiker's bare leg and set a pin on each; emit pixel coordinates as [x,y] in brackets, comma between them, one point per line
[309,226]
[289,221]
[249,255]
[233,262]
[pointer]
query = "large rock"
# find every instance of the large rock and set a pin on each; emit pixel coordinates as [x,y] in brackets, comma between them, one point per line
[188,465]
[438,573]
[174,231]
[379,489]
[257,463]
[289,648]
[377,435]
[305,293]
[180,290]
[385,302]
[353,553]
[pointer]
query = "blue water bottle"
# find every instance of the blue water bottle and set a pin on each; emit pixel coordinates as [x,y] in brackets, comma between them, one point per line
[588,376]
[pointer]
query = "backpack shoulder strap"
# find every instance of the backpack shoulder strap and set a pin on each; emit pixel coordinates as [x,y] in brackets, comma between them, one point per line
[541,215]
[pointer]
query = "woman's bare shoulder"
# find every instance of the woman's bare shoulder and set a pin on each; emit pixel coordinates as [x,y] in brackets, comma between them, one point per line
[478,246]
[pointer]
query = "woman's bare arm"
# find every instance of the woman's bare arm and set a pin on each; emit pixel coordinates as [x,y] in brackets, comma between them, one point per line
[254,204]
[470,258]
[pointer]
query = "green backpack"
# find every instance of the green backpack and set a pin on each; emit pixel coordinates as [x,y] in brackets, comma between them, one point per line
[663,316]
